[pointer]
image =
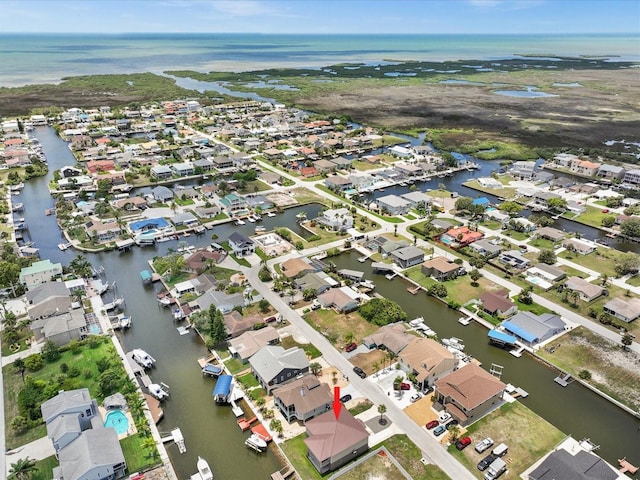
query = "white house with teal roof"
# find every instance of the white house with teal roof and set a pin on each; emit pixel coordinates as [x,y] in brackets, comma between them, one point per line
[39,272]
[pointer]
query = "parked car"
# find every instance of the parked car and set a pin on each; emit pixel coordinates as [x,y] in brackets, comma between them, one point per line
[486,461]
[463,443]
[359,372]
[405,386]
[316,306]
[451,424]
[484,445]
[444,416]
[351,347]
[439,430]
[432,424]
[415,398]
[345,398]
[270,319]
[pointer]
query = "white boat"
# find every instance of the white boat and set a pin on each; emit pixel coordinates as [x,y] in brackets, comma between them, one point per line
[254,441]
[251,219]
[113,305]
[178,314]
[64,246]
[157,391]
[165,301]
[240,222]
[260,229]
[271,214]
[125,322]
[362,259]
[453,342]
[163,239]
[204,470]
[465,321]
[143,358]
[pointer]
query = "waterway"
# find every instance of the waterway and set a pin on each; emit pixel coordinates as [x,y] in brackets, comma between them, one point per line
[575,410]
[211,431]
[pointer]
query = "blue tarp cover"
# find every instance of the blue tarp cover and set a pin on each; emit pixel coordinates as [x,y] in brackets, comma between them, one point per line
[520,332]
[502,337]
[223,385]
[145,275]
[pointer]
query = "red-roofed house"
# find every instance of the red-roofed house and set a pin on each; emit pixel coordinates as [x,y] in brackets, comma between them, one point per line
[460,237]
[468,393]
[498,303]
[332,443]
[308,171]
[95,166]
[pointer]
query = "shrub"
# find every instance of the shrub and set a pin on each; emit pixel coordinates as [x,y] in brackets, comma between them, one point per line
[34,362]
[19,424]
[64,368]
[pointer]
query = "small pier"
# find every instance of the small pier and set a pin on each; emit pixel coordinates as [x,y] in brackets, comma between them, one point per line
[176,437]
[414,290]
[517,352]
[391,276]
[626,467]
[237,411]
[245,424]
[564,380]
[284,473]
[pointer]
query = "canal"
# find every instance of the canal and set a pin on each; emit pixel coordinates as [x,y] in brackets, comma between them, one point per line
[211,431]
[575,410]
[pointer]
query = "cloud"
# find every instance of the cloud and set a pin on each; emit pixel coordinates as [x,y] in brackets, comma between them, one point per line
[241,8]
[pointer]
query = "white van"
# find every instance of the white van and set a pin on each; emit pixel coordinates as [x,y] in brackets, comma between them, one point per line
[497,468]
[500,450]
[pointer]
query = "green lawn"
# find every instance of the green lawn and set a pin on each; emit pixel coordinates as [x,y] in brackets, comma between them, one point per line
[592,216]
[183,203]
[365,166]
[296,451]
[603,260]
[492,224]
[248,380]
[519,236]
[361,407]
[634,281]
[337,325]
[409,456]
[459,289]
[542,243]
[534,307]
[505,192]
[44,467]
[310,349]
[137,454]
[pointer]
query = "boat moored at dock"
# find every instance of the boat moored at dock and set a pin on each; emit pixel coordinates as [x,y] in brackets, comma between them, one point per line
[256,443]
[204,470]
[142,358]
[158,391]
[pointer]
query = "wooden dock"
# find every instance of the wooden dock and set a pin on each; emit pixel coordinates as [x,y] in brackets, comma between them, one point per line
[626,467]
[414,290]
[245,424]
[154,408]
[283,473]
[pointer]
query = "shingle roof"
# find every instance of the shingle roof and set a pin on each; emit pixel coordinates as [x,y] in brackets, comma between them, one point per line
[269,361]
[581,466]
[470,386]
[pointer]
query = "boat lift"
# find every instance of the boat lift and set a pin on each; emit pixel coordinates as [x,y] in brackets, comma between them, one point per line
[174,436]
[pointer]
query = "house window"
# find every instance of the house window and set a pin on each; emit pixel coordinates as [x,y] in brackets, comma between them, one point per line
[88,411]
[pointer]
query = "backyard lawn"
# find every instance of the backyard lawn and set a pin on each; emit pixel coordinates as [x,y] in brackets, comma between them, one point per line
[296,451]
[137,453]
[310,349]
[505,192]
[378,466]
[506,426]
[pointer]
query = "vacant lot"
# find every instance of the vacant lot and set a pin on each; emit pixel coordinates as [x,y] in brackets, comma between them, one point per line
[378,467]
[613,370]
[368,361]
[337,325]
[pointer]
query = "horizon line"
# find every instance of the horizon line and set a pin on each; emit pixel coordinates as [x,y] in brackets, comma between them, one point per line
[322,34]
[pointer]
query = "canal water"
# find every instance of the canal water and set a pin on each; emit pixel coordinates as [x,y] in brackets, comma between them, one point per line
[211,431]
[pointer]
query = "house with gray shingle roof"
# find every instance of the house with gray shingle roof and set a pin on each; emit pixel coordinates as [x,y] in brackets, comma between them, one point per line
[273,365]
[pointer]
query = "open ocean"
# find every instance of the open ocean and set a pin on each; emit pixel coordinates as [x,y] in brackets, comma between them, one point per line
[46,58]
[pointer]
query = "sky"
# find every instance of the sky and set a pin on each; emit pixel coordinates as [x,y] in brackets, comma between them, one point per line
[321,16]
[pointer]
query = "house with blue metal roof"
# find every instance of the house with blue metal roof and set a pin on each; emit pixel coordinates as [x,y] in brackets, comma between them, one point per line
[532,329]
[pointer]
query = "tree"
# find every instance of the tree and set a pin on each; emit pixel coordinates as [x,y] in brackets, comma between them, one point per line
[584,375]
[264,305]
[475,276]
[557,204]
[510,208]
[525,295]
[541,220]
[382,311]
[23,469]
[608,221]
[260,402]
[573,296]
[631,227]
[217,326]
[50,352]
[315,368]
[19,366]
[627,263]
[348,338]
[627,340]
[81,266]
[547,256]
[376,366]
[382,408]
[454,432]
[437,290]
[464,204]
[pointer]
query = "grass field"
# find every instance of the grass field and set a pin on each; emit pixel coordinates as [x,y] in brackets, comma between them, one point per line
[378,466]
[603,260]
[409,456]
[335,324]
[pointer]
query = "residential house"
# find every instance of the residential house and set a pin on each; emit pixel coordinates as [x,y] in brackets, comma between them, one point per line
[207,212]
[102,232]
[626,310]
[336,218]
[74,183]
[198,261]
[402,152]
[533,329]
[323,166]
[319,282]
[392,337]
[565,160]
[338,183]
[498,303]
[223,301]
[342,299]
[247,344]
[546,272]
[428,360]
[186,219]
[514,259]
[233,203]
[161,172]
[341,163]
[307,172]
[150,224]
[489,182]
[182,169]
[408,256]
[631,177]
[241,246]
[486,248]
[409,170]
[131,203]
[460,237]
[296,266]
[362,181]
[417,199]
[203,164]
[162,194]
[573,463]
[469,393]
[523,224]
[550,233]
[60,328]
[585,168]
[579,246]
[333,441]
[303,399]
[588,291]
[270,177]
[222,163]
[542,198]
[394,204]
[73,402]
[236,323]
[272,365]
[440,268]
[523,170]
[46,299]
[39,272]
[612,173]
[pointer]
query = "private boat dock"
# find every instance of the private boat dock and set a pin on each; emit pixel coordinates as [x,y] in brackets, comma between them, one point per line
[283,473]
[626,467]
[564,379]
[209,366]
[245,424]
[175,436]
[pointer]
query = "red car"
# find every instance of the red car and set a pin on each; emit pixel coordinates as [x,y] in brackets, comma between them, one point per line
[606,210]
[351,347]
[432,424]
[463,443]
[405,386]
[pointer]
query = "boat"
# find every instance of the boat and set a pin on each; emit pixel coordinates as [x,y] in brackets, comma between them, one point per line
[212,370]
[271,214]
[251,219]
[142,358]
[165,301]
[239,221]
[260,229]
[125,322]
[453,342]
[465,321]
[16,207]
[178,314]
[256,443]
[113,305]
[163,239]
[64,246]
[186,234]
[204,470]
[257,217]
[199,230]
[362,259]
[157,391]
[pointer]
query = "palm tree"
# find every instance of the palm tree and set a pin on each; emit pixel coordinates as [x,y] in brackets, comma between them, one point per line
[348,338]
[315,368]
[382,408]
[23,469]
[376,366]
[19,365]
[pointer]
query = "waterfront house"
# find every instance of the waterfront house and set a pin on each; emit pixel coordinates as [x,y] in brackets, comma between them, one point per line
[531,329]
[417,199]
[233,203]
[303,399]
[241,246]
[203,164]
[486,248]
[550,233]
[73,402]
[342,299]
[394,204]
[469,393]
[542,198]
[460,237]
[225,302]
[514,259]
[236,323]
[428,360]
[489,182]
[585,168]
[498,303]
[75,183]
[319,282]
[523,170]
[186,219]
[272,365]
[148,224]
[338,183]
[161,172]
[60,328]
[270,177]
[38,273]
[102,231]
[627,309]
[408,170]
[222,163]
[571,461]
[362,181]
[244,346]
[632,177]
[523,224]
[611,172]
[547,273]
[579,246]
[402,152]
[336,218]
[565,160]
[162,194]
[46,299]
[407,256]
[324,166]
[182,169]
[440,269]
[296,267]
[392,337]
[341,163]
[207,212]
[307,172]
[130,203]
[198,261]
[588,291]
[333,442]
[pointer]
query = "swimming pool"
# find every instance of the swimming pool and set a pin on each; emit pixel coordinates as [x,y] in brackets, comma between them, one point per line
[117,420]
